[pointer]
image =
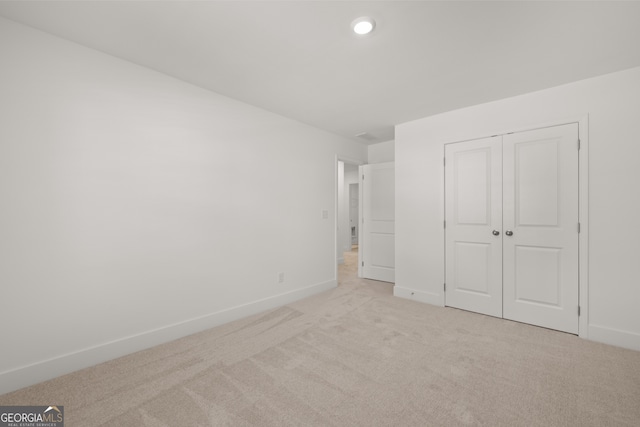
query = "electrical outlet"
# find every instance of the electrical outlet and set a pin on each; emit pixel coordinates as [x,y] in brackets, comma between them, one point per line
[281,277]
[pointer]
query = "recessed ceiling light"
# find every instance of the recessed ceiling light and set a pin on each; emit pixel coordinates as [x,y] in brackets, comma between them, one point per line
[363,25]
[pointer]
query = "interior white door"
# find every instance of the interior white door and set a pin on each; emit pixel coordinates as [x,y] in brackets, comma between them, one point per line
[473,214]
[378,220]
[540,214]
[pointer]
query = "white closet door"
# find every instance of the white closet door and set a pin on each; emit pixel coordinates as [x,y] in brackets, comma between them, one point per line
[540,240]
[378,213]
[473,212]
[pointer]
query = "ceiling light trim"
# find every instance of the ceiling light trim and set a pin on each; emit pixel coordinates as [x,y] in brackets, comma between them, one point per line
[363,26]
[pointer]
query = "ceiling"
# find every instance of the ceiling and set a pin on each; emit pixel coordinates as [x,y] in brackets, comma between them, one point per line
[301,60]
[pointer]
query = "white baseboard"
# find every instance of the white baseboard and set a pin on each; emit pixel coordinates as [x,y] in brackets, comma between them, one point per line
[617,337]
[55,367]
[421,296]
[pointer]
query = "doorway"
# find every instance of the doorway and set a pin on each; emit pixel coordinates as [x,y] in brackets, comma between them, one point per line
[347,211]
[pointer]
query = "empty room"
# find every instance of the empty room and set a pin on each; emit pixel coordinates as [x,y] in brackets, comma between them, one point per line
[323,213]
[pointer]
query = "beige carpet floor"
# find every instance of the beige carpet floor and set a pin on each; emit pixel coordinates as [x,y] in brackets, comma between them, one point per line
[356,356]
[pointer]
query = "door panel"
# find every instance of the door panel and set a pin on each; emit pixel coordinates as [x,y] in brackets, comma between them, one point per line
[537,280]
[473,259]
[382,250]
[378,213]
[536,164]
[472,271]
[472,186]
[541,211]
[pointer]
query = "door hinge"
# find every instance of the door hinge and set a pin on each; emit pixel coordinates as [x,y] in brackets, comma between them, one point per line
[444,161]
[578,311]
[363,263]
[363,177]
[578,228]
[445,287]
[578,145]
[444,223]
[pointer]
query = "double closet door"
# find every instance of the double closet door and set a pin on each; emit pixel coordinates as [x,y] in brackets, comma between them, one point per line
[511,209]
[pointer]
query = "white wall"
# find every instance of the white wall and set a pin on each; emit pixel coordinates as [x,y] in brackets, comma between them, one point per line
[354,212]
[137,208]
[612,103]
[381,152]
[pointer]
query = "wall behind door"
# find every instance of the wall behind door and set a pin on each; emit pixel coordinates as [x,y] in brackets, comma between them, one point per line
[612,103]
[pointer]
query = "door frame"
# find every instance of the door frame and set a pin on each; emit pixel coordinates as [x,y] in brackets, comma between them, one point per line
[583,208]
[350,161]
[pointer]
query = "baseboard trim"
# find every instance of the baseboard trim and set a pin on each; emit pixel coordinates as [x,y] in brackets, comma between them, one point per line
[421,296]
[617,337]
[48,369]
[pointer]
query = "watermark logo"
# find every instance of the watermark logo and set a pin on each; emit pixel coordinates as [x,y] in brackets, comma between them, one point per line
[32,416]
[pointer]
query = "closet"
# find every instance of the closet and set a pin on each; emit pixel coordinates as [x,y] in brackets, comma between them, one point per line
[511,226]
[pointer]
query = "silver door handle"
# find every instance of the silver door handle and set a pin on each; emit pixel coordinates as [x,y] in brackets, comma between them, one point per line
[509,233]
[496,233]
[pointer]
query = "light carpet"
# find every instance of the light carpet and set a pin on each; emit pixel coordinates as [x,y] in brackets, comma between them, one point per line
[356,356]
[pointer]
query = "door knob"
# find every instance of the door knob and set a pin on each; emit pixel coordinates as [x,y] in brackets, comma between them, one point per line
[509,233]
[496,233]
